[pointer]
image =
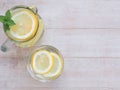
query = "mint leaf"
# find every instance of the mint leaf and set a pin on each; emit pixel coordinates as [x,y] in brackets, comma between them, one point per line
[7,21]
[10,23]
[2,18]
[6,27]
[8,15]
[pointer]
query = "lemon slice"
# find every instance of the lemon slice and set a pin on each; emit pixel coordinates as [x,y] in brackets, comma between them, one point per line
[57,67]
[42,62]
[26,25]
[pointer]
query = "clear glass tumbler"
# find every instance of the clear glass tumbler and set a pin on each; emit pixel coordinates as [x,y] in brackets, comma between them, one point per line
[57,64]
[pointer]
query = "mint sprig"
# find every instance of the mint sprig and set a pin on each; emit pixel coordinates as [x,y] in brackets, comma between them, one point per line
[7,20]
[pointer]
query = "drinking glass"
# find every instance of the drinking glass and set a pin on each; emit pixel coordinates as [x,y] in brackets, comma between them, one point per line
[31,41]
[58,66]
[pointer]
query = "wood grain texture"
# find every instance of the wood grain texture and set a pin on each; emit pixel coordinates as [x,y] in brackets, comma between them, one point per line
[78,72]
[87,32]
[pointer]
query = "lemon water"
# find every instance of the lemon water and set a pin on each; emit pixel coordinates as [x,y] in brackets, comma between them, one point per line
[46,63]
[28,26]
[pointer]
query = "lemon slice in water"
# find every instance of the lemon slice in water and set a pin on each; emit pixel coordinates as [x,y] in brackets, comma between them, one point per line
[26,25]
[57,67]
[42,62]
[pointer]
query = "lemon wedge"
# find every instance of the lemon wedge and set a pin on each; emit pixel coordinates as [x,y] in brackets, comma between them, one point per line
[57,67]
[26,25]
[42,62]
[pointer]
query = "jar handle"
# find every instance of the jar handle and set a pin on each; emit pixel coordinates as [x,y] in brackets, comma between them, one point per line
[4,46]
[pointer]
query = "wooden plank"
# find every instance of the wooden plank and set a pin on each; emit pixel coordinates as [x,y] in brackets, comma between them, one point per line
[73,88]
[84,42]
[74,13]
[78,72]
[75,43]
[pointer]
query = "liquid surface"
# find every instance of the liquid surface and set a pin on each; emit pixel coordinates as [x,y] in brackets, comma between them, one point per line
[28,29]
[26,23]
[46,64]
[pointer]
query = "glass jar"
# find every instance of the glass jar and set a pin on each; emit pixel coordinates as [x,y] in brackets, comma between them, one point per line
[33,39]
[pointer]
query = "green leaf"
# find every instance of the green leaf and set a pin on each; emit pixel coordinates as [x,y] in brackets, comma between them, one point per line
[8,15]
[2,18]
[10,23]
[7,21]
[6,27]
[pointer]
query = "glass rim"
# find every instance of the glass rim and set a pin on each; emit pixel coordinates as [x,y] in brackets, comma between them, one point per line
[31,9]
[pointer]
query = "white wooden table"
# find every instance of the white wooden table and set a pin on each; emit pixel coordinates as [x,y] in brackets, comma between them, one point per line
[87,32]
